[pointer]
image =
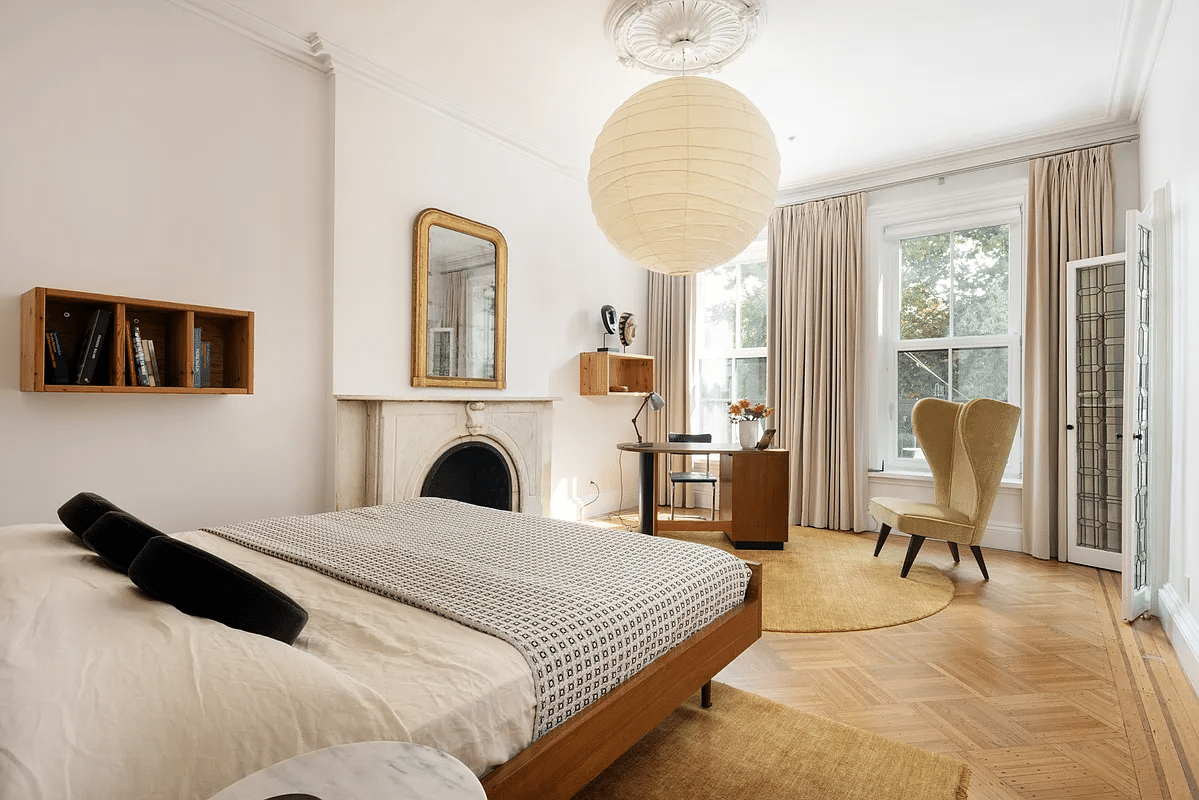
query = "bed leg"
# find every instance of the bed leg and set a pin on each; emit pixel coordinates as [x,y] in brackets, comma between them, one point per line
[705,695]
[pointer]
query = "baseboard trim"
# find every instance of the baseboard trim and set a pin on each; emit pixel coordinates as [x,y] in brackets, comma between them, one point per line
[997,537]
[1181,629]
[1004,537]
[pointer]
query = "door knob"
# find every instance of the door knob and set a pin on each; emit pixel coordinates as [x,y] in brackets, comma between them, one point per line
[1069,427]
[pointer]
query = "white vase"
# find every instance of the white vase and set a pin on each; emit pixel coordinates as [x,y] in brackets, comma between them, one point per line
[747,431]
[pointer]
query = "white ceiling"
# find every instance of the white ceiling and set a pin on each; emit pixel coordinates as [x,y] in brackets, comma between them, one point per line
[852,88]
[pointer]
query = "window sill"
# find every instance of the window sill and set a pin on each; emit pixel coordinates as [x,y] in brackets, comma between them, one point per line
[924,478]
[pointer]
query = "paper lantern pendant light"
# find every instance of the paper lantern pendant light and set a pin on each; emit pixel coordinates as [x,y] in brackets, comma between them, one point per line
[684,175]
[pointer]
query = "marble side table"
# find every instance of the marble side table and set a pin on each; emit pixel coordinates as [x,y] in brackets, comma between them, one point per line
[362,771]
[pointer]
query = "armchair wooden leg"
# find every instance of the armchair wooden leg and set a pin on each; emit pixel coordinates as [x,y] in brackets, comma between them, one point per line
[913,549]
[705,695]
[953,549]
[978,556]
[882,537]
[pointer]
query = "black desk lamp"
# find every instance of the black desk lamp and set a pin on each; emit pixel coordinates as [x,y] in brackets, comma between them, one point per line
[656,403]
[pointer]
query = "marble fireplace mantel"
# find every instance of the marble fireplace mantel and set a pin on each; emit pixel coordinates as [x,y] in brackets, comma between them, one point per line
[386,445]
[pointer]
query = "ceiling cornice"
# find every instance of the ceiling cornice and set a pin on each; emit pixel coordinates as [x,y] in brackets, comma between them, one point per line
[1142,28]
[321,55]
[948,162]
[266,35]
[341,61]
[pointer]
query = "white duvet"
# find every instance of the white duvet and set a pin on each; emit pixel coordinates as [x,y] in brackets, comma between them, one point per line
[106,694]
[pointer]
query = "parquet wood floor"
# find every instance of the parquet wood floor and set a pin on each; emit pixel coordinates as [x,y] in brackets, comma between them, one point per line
[1031,678]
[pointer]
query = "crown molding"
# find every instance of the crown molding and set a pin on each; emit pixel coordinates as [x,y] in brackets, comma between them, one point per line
[320,55]
[948,162]
[266,35]
[1143,26]
[341,61]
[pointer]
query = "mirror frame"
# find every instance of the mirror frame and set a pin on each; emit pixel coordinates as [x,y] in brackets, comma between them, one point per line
[420,298]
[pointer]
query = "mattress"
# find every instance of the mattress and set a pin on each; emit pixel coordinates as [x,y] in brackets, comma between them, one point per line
[456,689]
[107,693]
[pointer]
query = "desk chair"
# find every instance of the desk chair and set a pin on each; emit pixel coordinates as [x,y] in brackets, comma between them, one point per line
[967,448]
[692,477]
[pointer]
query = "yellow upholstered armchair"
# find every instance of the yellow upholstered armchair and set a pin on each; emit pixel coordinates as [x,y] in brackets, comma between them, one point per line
[966,446]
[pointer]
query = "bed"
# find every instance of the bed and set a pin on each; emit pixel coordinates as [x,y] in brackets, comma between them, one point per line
[106,693]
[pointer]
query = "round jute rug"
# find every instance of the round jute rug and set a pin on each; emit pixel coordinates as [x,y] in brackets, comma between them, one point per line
[826,581]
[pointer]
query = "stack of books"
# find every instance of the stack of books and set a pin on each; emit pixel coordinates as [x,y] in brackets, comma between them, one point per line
[87,357]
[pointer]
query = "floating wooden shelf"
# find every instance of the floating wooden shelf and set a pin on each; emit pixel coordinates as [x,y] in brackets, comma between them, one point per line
[229,334]
[606,373]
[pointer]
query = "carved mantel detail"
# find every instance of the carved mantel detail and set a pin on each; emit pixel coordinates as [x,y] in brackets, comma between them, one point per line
[475,423]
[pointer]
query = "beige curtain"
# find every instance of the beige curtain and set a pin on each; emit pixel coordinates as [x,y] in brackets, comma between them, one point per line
[815,258]
[1070,216]
[671,311]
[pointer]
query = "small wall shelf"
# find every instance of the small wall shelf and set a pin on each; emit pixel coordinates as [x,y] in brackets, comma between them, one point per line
[607,373]
[226,335]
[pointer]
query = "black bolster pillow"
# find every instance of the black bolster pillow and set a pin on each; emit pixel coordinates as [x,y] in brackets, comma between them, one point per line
[81,512]
[198,583]
[117,537]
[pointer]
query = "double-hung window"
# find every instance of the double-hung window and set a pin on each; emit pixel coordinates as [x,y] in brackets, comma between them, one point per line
[951,321]
[730,342]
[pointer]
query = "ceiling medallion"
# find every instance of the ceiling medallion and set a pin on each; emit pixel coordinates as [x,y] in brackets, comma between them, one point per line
[676,36]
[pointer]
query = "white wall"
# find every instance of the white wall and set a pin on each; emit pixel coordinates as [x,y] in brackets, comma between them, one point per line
[148,152]
[395,157]
[1169,154]
[1005,527]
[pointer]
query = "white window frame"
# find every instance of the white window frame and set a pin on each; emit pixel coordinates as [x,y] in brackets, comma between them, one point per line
[993,208]
[755,253]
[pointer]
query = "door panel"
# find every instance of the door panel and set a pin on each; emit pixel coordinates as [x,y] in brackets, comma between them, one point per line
[1136,479]
[1094,413]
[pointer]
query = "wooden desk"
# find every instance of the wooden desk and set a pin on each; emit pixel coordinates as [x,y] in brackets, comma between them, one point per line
[754,492]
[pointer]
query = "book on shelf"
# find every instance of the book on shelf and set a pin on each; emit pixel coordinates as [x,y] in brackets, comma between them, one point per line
[57,369]
[152,363]
[93,342]
[139,358]
[197,359]
[206,368]
[130,360]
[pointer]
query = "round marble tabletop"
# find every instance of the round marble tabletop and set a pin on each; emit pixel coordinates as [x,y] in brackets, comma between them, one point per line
[362,771]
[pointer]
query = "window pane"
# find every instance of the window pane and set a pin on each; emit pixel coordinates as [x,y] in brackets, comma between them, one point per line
[980,281]
[753,305]
[924,283]
[922,373]
[980,372]
[717,290]
[715,380]
[750,379]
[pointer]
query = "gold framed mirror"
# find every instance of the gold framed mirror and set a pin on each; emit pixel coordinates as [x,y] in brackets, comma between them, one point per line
[459,302]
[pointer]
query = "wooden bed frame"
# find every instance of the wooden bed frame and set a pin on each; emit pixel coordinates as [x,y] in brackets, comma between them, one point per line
[565,760]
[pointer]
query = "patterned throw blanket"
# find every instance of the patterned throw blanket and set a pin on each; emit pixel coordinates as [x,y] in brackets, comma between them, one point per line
[586,607]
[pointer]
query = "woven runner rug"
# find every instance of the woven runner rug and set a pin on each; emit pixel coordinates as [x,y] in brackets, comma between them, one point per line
[749,748]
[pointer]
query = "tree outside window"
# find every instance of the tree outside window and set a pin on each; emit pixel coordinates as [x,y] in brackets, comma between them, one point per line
[955,337]
[730,344]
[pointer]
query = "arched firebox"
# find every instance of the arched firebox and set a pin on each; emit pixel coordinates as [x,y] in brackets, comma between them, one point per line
[473,472]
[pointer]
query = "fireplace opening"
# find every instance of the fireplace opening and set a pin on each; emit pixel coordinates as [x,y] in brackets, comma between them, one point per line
[472,472]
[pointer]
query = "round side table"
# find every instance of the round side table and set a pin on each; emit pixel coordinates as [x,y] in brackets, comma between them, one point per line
[362,771]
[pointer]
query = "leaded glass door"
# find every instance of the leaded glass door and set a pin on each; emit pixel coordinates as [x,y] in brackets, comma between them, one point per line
[1095,347]
[1137,383]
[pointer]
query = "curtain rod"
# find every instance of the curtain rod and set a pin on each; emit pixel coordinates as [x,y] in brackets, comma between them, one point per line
[1132,137]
